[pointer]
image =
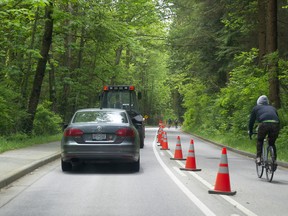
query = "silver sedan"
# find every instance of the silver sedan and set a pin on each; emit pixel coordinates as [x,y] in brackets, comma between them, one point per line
[100,135]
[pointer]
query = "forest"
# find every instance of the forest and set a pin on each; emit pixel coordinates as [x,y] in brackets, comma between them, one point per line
[204,62]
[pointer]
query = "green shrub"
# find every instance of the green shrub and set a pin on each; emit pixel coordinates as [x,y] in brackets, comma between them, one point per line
[281,144]
[10,112]
[46,122]
[17,137]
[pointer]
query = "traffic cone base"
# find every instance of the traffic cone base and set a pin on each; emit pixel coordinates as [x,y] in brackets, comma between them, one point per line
[189,169]
[177,158]
[230,193]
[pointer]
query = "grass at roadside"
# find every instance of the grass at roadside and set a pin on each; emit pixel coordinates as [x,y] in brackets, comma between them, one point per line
[22,142]
[242,143]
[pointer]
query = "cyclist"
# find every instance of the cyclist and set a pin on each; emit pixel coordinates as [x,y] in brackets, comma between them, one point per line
[169,123]
[268,119]
[176,123]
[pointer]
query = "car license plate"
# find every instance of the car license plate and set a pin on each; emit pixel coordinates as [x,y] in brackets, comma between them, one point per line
[99,136]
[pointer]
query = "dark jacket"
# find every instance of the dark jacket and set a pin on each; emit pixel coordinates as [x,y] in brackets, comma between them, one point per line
[262,112]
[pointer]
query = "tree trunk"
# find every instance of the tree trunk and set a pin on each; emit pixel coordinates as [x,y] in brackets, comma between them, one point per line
[128,58]
[82,43]
[272,46]
[118,55]
[27,74]
[261,29]
[52,86]
[40,70]
[66,92]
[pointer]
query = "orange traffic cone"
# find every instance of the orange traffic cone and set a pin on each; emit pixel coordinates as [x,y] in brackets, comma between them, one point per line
[191,161]
[222,185]
[159,136]
[178,151]
[164,142]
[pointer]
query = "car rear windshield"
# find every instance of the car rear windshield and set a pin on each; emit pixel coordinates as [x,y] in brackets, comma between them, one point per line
[100,116]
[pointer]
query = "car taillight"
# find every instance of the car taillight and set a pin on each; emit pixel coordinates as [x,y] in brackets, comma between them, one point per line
[125,132]
[73,132]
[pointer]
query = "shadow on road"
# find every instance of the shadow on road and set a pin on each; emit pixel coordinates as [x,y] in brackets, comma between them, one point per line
[103,168]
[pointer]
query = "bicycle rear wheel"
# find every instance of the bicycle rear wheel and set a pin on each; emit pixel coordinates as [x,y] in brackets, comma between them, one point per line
[259,169]
[270,164]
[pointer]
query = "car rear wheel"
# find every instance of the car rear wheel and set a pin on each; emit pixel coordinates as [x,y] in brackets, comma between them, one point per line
[66,166]
[135,167]
[141,141]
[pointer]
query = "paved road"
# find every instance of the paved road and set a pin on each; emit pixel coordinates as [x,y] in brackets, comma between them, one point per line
[160,188]
[14,164]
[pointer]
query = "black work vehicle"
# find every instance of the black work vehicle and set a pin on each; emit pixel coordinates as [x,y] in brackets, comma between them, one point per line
[125,97]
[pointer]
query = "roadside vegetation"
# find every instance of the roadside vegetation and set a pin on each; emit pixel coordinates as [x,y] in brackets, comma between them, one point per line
[223,57]
[243,143]
[22,141]
[204,63]
[47,128]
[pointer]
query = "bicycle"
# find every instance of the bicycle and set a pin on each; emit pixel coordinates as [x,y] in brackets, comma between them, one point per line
[267,161]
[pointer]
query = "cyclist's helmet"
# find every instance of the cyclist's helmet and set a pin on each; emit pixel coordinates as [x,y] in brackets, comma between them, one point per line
[263,100]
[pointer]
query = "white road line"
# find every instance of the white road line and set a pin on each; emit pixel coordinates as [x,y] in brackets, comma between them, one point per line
[179,171]
[180,163]
[238,205]
[170,153]
[185,190]
[207,184]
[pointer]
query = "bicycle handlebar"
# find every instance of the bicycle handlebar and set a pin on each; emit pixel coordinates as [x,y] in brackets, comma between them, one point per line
[250,135]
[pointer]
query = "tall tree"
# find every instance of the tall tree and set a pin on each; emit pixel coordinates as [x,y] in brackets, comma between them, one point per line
[261,29]
[272,46]
[40,70]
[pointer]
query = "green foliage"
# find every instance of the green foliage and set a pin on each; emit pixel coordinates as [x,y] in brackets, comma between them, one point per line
[247,82]
[10,112]
[240,15]
[20,140]
[86,38]
[205,73]
[212,44]
[46,122]
[281,143]
[195,101]
[194,41]
[229,109]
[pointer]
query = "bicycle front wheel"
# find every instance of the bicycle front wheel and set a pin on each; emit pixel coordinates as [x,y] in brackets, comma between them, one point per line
[270,164]
[259,169]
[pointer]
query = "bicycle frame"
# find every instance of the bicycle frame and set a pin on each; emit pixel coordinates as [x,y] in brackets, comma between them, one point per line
[264,149]
[267,162]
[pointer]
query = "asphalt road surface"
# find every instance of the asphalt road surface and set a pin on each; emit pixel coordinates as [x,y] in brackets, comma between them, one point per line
[160,188]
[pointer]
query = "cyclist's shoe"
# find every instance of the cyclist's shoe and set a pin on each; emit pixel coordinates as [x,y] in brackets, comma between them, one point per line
[275,166]
[258,160]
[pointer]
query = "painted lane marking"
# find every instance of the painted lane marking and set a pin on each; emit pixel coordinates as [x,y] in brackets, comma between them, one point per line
[210,187]
[184,189]
[179,171]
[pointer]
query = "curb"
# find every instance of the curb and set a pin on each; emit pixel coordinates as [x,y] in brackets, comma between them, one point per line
[27,169]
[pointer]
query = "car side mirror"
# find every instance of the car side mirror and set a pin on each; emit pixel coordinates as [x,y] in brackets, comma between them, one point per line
[64,126]
[137,119]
